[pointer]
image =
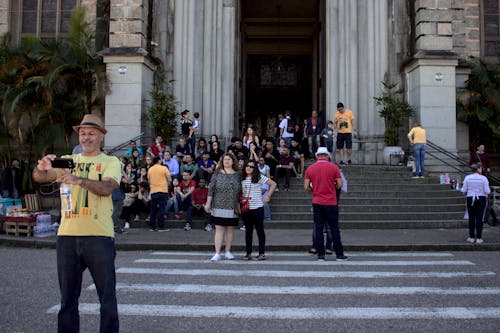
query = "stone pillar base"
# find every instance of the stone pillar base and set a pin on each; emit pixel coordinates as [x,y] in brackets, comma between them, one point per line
[130,75]
[432,93]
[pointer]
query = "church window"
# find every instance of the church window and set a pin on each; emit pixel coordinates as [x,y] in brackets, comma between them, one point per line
[490,28]
[41,18]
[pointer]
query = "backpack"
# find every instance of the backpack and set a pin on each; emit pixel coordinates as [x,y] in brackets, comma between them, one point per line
[290,126]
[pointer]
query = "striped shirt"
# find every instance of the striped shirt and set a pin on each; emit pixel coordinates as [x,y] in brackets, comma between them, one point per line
[476,185]
[254,191]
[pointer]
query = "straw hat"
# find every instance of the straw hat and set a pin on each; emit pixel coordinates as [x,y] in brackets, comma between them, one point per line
[90,120]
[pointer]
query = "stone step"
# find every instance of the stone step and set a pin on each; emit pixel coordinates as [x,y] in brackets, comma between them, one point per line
[395,186]
[348,208]
[344,224]
[347,200]
[371,216]
[373,193]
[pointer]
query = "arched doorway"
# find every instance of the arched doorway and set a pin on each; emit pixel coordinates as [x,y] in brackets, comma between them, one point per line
[280,51]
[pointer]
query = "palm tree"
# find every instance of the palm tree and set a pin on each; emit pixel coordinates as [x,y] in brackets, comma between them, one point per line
[46,87]
[479,105]
[51,84]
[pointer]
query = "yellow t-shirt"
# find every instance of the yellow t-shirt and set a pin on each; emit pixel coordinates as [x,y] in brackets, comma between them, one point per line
[417,135]
[90,213]
[343,121]
[157,176]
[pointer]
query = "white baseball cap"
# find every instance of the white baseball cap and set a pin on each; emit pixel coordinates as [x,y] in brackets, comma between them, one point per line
[322,151]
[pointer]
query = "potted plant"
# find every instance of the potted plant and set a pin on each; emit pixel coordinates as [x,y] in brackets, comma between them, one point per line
[163,112]
[395,110]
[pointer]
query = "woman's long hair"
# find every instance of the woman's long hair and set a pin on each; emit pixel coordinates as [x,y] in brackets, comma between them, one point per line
[255,172]
[220,164]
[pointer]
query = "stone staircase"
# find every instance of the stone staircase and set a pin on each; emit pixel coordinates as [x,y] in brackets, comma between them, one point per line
[378,197]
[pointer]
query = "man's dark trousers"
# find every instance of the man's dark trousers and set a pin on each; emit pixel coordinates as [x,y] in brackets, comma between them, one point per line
[158,203]
[330,215]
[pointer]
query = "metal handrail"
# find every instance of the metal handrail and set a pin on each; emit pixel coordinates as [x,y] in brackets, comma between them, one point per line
[116,148]
[460,161]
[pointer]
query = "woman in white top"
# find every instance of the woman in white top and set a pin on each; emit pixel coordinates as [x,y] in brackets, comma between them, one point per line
[477,189]
[264,169]
[251,185]
[250,136]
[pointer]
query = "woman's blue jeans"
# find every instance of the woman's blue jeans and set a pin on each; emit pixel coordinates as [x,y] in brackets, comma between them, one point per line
[419,151]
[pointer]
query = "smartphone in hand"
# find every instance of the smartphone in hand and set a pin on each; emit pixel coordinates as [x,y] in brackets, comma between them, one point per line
[63,163]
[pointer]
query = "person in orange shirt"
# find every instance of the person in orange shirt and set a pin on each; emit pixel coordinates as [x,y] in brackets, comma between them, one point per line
[159,178]
[418,140]
[345,128]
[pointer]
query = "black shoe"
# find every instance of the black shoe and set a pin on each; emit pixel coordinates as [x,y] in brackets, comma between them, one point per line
[313,251]
[341,163]
[328,251]
[342,258]
[321,258]
[349,162]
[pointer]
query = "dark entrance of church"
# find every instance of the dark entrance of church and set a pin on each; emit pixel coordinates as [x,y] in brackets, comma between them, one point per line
[281,62]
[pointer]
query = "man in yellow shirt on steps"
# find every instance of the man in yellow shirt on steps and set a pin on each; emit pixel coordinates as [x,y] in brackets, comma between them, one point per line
[345,128]
[418,140]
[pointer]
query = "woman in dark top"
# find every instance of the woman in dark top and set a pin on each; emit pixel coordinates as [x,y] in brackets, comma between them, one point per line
[215,151]
[480,157]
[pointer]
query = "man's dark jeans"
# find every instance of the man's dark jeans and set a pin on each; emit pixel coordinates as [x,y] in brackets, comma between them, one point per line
[330,215]
[186,206]
[279,171]
[74,255]
[158,203]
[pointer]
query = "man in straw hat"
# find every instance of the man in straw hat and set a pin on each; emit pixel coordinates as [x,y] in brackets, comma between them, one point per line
[85,238]
[323,179]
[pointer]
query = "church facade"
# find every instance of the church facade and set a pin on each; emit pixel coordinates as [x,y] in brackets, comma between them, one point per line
[241,62]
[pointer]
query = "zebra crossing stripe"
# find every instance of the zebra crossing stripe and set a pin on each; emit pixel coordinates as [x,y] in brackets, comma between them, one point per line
[310,262]
[293,313]
[300,274]
[303,254]
[300,290]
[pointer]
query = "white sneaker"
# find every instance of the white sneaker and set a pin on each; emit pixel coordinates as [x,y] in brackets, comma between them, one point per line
[479,241]
[216,257]
[127,225]
[470,240]
[229,256]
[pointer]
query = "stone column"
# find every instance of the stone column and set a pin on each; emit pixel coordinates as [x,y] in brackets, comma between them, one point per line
[204,62]
[431,75]
[4,16]
[356,61]
[130,73]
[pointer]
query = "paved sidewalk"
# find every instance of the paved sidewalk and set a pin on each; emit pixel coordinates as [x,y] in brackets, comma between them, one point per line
[292,240]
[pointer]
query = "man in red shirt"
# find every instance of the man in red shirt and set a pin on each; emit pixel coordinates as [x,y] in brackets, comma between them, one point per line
[157,147]
[199,198]
[323,179]
[184,198]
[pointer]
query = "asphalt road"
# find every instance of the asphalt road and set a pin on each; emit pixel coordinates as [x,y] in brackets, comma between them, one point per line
[289,292]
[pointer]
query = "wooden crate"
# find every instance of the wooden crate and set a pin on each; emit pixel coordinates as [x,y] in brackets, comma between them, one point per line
[19,228]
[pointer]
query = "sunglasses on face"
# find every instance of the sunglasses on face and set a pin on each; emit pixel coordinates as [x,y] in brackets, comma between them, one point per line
[251,166]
